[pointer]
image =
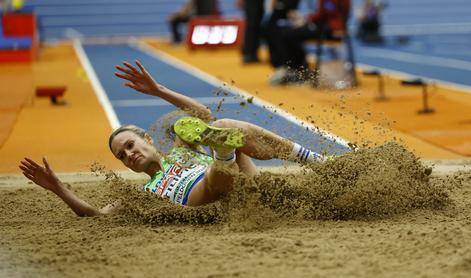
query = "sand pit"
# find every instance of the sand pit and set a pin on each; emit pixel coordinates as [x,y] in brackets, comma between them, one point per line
[375,213]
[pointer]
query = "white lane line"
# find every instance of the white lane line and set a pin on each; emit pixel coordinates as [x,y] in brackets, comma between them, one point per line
[149,50]
[416,58]
[158,102]
[455,133]
[426,29]
[97,87]
[73,34]
[404,75]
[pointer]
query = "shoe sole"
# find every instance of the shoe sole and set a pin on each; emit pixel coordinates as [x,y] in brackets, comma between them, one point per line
[195,131]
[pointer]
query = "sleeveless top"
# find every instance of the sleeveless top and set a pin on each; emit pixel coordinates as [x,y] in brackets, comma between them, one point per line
[183,168]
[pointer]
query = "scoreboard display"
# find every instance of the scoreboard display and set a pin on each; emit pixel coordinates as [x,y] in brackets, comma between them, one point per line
[214,32]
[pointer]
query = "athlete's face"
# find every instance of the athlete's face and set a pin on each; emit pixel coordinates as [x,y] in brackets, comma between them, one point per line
[135,152]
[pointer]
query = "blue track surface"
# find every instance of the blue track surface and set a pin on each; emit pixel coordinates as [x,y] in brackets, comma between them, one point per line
[104,57]
[436,40]
[442,57]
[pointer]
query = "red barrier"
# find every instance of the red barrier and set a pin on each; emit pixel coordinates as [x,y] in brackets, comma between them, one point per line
[18,55]
[19,25]
[51,92]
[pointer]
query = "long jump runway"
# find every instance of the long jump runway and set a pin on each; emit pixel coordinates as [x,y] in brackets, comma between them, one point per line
[123,106]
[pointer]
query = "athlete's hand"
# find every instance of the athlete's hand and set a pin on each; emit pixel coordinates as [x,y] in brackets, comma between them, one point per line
[42,176]
[138,79]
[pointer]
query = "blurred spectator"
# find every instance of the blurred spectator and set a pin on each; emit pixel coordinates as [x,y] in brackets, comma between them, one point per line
[190,9]
[370,21]
[11,5]
[329,21]
[253,10]
[275,25]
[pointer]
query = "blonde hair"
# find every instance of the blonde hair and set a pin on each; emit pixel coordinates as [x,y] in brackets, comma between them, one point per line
[134,129]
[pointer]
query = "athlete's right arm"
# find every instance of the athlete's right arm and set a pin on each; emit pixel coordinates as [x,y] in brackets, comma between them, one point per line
[47,179]
[140,80]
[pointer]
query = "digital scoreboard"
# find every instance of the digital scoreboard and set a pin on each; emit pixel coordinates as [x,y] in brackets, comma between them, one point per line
[214,32]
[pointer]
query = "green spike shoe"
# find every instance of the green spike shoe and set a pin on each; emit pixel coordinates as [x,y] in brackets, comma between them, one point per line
[196,131]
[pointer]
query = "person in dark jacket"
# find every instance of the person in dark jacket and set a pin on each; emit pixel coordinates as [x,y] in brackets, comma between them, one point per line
[329,21]
[253,11]
[275,25]
[369,24]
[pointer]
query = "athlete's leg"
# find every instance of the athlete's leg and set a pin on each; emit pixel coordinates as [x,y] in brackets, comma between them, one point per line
[246,164]
[263,144]
[220,176]
[226,135]
[218,180]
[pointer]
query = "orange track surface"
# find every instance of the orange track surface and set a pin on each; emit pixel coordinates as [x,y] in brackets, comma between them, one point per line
[72,136]
[75,135]
[16,91]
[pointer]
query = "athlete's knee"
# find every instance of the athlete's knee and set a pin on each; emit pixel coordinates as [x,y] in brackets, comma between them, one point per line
[225,123]
[231,123]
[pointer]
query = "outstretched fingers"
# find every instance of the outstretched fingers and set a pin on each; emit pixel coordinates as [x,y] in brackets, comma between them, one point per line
[32,163]
[46,163]
[30,167]
[125,70]
[131,67]
[25,166]
[28,172]
[129,72]
[25,170]
[141,67]
[139,79]
[125,76]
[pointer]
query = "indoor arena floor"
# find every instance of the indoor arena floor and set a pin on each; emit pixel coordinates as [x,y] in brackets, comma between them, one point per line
[374,213]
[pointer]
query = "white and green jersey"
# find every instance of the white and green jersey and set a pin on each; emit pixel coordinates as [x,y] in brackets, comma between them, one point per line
[183,168]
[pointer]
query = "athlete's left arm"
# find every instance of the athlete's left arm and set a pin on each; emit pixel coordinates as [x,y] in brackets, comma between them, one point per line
[141,81]
[46,178]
